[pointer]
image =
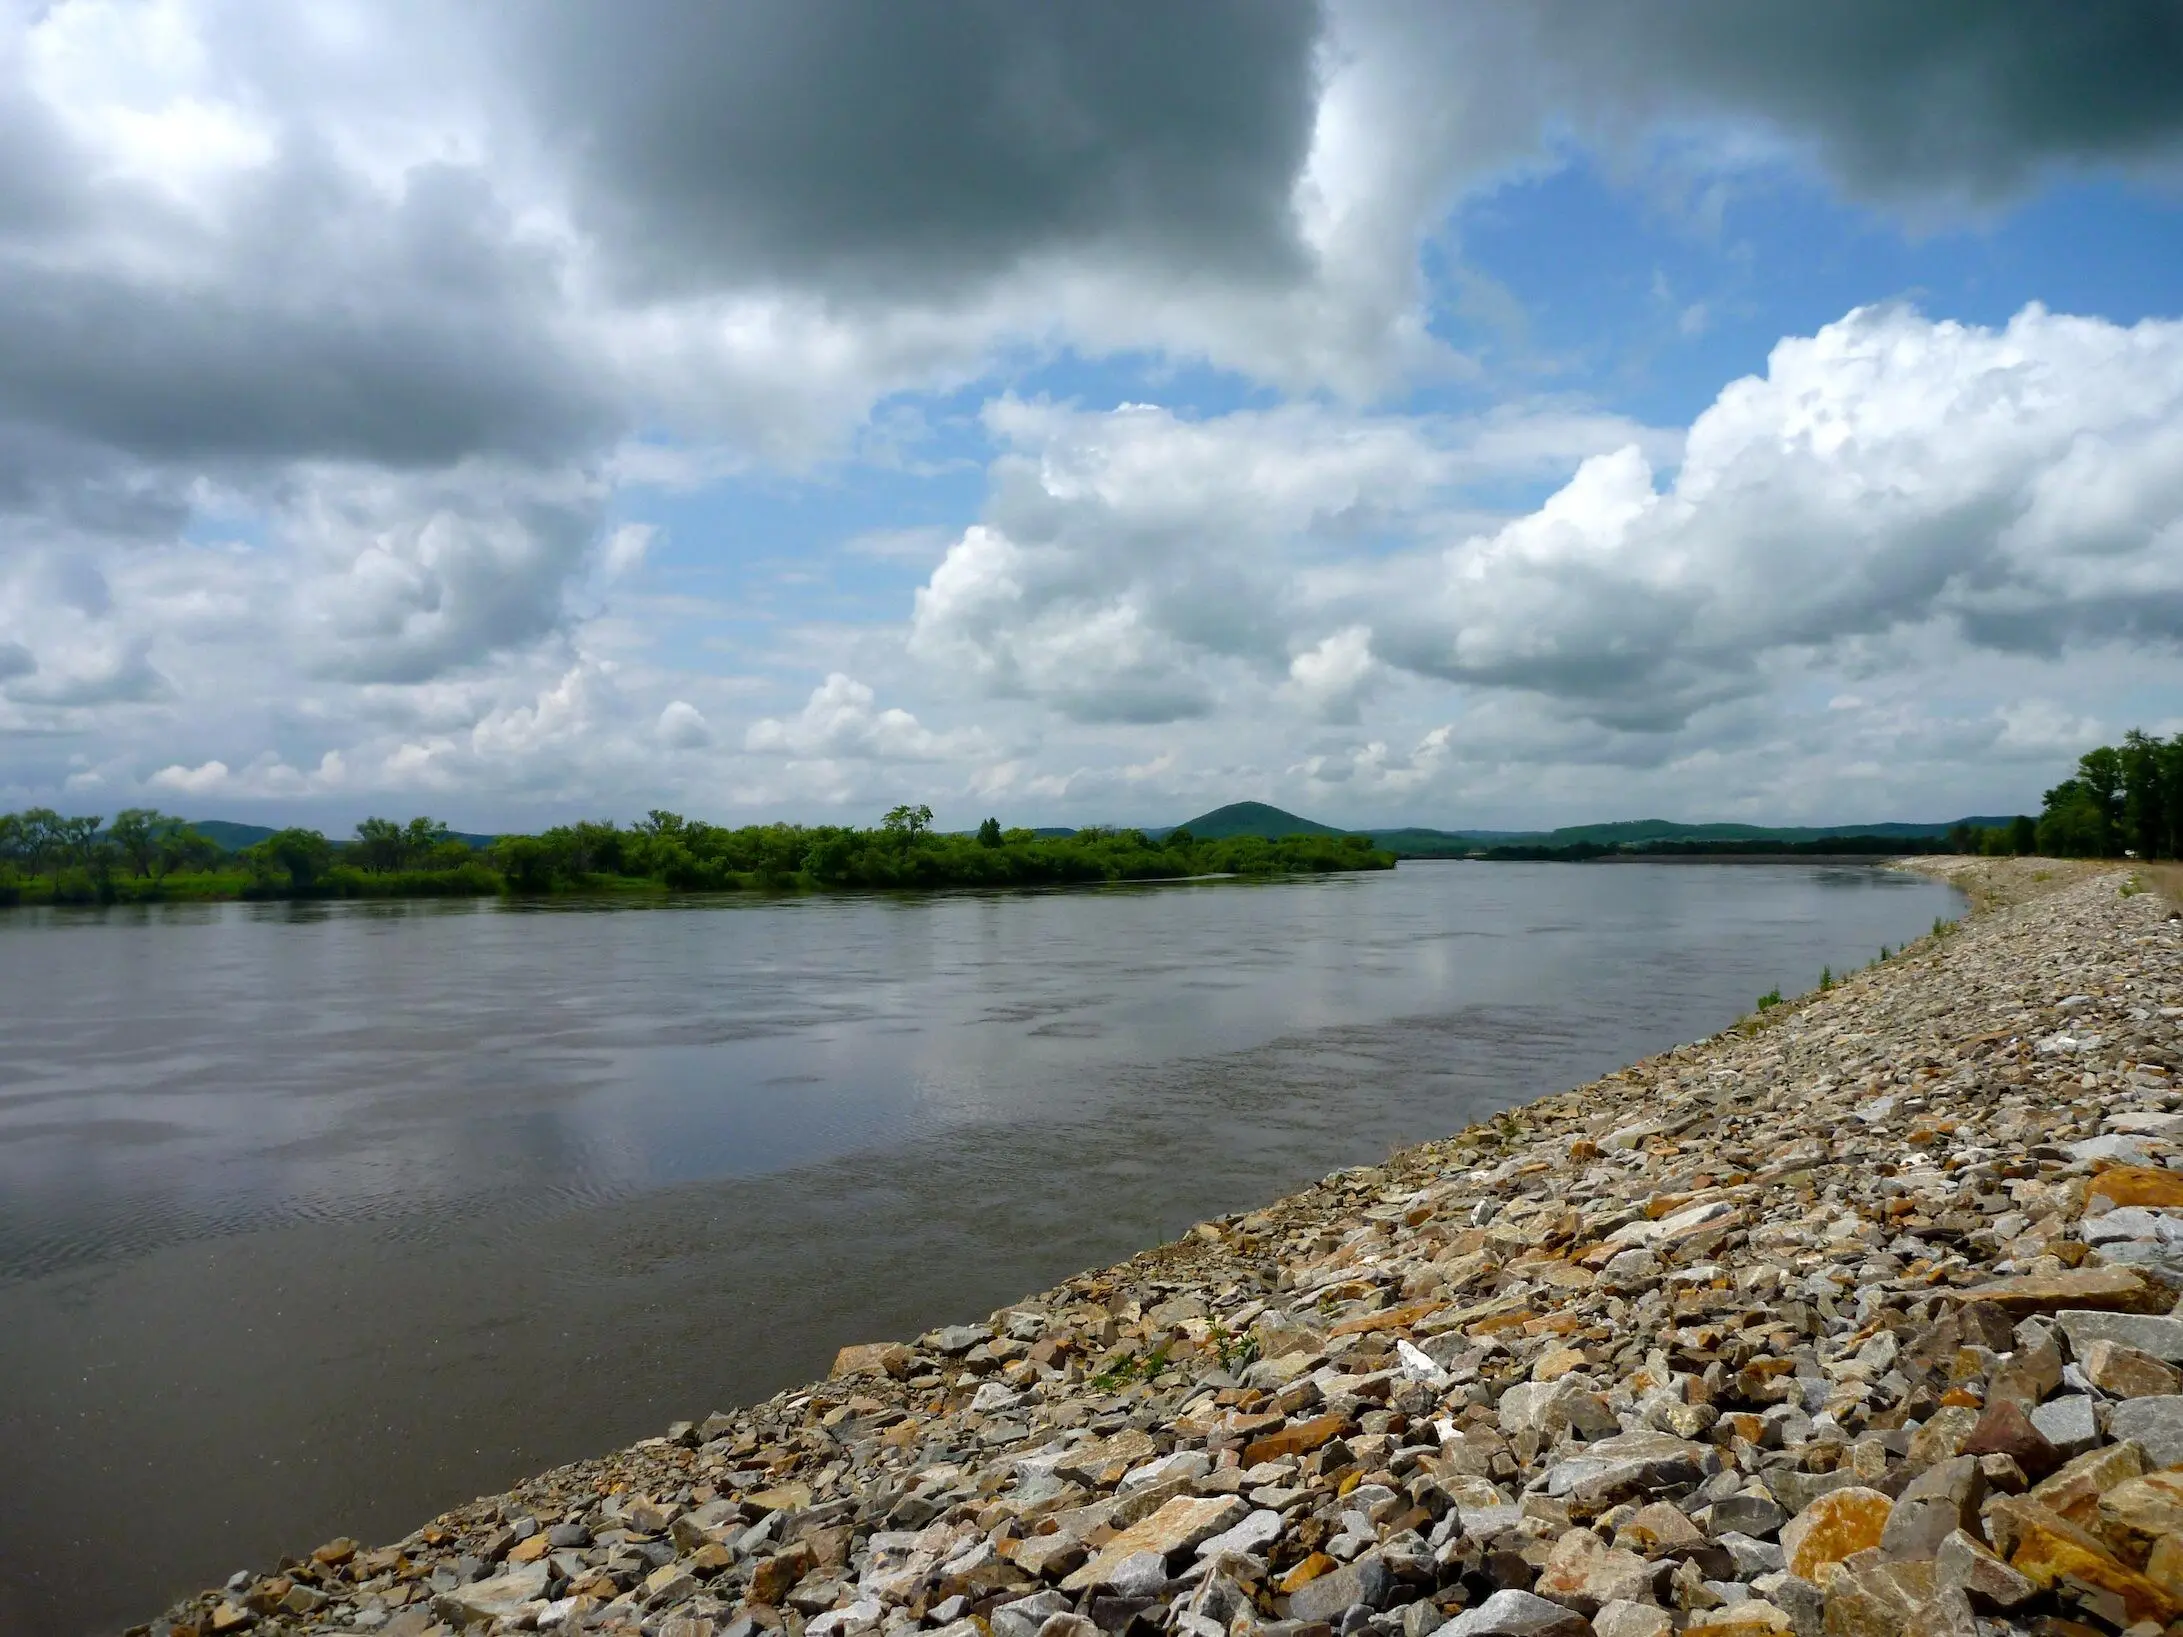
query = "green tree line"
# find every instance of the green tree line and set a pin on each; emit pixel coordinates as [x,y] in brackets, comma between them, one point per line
[145,854]
[902,851]
[2124,799]
[79,856]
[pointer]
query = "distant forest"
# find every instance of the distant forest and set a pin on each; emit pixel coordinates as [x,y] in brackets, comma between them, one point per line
[2124,800]
[147,855]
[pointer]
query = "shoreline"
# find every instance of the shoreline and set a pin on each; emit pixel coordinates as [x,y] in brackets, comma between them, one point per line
[1600,1363]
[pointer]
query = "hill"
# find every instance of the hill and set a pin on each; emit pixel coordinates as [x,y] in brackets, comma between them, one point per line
[1416,842]
[1254,818]
[1627,830]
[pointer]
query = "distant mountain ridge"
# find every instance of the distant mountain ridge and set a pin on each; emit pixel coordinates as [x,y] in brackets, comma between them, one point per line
[1257,818]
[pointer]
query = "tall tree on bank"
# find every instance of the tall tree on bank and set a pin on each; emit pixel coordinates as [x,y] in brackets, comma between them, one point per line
[2122,799]
[153,843]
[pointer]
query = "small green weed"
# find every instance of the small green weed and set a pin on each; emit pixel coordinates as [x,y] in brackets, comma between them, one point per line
[1236,1353]
[1770,999]
[1131,1368]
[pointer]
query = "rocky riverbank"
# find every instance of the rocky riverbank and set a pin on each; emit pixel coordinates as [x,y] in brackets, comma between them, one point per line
[1853,1319]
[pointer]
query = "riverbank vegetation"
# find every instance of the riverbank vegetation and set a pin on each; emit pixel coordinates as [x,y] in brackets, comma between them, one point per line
[902,852]
[2124,799]
[146,856]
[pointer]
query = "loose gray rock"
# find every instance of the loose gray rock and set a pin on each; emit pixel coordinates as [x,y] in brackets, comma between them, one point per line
[2157,1423]
[2071,1423]
[1517,1614]
[2148,1333]
[1940,1501]
[1746,1514]
[1024,1616]
[1366,1582]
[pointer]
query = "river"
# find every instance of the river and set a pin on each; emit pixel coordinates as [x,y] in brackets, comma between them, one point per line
[317,1219]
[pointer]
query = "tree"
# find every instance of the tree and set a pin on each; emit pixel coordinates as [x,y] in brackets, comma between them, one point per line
[2147,824]
[989,833]
[2071,822]
[2023,835]
[304,854]
[140,834]
[420,841]
[526,861]
[60,841]
[905,824]
[382,846]
[38,830]
[185,848]
[2099,773]
[378,846]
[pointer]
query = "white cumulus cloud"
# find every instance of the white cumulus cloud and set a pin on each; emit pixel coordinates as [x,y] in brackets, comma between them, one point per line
[842,720]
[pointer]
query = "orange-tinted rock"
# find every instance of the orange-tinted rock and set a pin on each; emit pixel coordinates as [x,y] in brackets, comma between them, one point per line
[1297,1438]
[890,1357]
[1105,1460]
[2075,1491]
[2137,1185]
[773,1577]
[1394,1318]
[2106,1290]
[530,1551]
[1306,1572]
[2164,1565]
[1943,1434]
[1178,1525]
[2049,1549]
[1557,1362]
[1659,1528]
[2139,1511]
[780,1498]
[1833,1527]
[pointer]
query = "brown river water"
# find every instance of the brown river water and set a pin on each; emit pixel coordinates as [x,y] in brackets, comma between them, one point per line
[318,1219]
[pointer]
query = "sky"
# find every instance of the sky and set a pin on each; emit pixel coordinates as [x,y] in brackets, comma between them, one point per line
[1453,414]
